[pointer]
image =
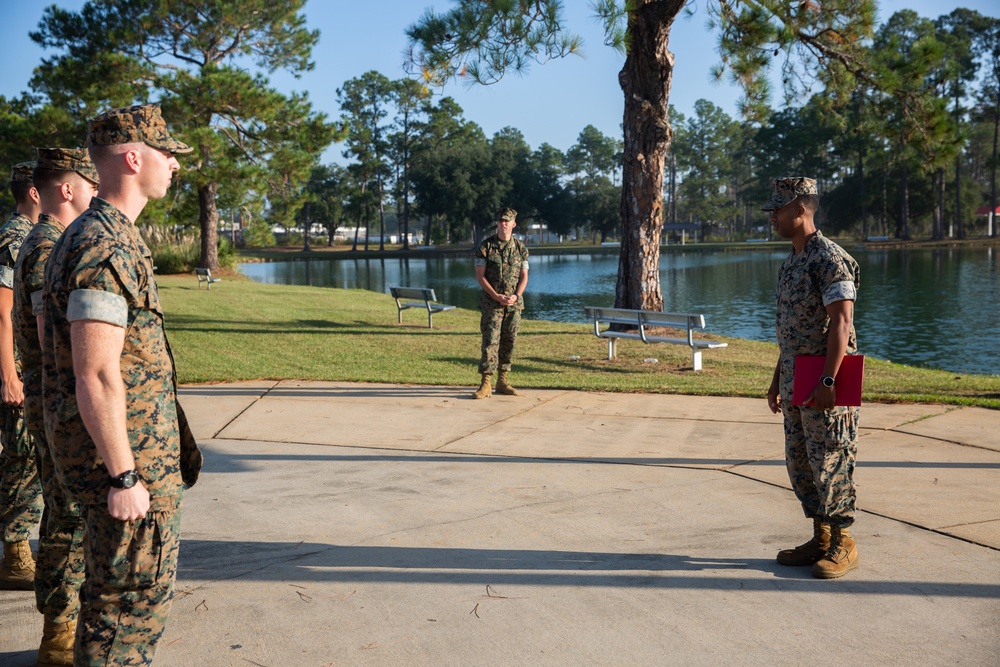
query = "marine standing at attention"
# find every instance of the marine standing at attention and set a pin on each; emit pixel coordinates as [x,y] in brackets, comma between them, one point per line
[121,445]
[20,491]
[817,287]
[502,272]
[66,182]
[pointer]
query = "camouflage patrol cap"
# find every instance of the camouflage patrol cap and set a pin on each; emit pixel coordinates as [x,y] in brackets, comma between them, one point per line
[505,214]
[68,159]
[141,123]
[21,172]
[787,189]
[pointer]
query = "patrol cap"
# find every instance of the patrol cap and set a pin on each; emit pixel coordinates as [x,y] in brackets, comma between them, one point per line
[141,123]
[21,172]
[68,159]
[787,189]
[506,214]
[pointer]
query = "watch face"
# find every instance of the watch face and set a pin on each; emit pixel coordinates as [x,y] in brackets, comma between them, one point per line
[126,480]
[828,381]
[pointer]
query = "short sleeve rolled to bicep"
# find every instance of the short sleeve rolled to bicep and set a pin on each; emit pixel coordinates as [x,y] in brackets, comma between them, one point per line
[838,278]
[37,307]
[103,287]
[479,257]
[95,304]
[844,290]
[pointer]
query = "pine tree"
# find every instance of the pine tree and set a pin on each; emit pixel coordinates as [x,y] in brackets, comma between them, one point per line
[193,58]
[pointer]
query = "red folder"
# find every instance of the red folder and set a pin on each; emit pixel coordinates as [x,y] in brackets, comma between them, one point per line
[850,377]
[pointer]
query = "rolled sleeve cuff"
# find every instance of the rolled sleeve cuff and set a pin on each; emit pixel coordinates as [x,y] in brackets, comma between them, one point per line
[36,303]
[7,276]
[88,304]
[842,291]
[524,265]
[480,261]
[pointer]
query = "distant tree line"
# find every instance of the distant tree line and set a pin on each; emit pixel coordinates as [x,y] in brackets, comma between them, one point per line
[922,170]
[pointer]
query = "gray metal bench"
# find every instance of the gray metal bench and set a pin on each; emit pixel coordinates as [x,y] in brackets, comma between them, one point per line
[422,297]
[205,276]
[642,320]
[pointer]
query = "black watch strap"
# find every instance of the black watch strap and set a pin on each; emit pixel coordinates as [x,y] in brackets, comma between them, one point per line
[126,480]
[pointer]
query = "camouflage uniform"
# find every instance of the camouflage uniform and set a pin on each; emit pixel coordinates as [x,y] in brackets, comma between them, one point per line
[503,261]
[101,270]
[20,490]
[820,445]
[59,567]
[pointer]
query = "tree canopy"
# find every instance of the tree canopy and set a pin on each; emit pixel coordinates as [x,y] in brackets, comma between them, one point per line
[196,59]
[822,41]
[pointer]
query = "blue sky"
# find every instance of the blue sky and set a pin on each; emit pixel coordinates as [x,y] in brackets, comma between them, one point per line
[551,104]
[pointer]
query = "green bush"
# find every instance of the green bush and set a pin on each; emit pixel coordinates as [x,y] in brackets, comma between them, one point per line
[180,251]
[258,234]
[227,254]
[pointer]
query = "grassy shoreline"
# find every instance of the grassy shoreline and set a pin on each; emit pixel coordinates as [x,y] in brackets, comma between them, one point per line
[241,331]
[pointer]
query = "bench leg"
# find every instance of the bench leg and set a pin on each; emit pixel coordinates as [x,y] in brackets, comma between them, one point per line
[612,348]
[430,321]
[696,358]
[399,313]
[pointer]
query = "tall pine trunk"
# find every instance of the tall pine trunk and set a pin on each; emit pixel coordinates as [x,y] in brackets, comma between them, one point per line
[406,205]
[938,181]
[903,227]
[381,216]
[208,220]
[958,196]
[645,81]
[993,169]
[861,194]
[305,242]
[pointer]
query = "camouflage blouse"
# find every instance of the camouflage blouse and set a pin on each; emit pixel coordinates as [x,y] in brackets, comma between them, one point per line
[11,237]
[102,263]
[29,276]
[807,283]
[504,261]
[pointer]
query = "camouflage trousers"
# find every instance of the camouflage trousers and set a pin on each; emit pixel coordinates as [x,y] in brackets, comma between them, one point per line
[59,568]
[126,598]
[20,490]
[821,448]
[499,327]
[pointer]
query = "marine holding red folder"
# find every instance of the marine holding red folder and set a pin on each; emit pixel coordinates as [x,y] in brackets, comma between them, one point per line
[817,287]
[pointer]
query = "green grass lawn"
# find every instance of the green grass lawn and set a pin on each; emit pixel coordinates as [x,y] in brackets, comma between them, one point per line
[240,330]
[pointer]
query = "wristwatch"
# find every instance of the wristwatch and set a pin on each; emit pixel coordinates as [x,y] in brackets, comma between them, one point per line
[828,381]
[126,480]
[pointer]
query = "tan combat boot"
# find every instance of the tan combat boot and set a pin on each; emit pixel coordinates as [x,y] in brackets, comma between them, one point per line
[17,572]
[810,552]
[56,649]
[484,390]
[841,558]
[503,387]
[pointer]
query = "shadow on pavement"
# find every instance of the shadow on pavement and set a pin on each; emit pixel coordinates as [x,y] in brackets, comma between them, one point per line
[211,560]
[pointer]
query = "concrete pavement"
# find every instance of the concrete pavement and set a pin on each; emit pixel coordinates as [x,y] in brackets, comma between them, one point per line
[354,524]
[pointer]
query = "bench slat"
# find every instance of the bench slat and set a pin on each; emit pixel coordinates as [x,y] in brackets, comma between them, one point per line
[641,319]
[428,299]
[205,276]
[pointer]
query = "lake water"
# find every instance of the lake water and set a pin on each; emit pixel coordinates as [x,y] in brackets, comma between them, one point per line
[938,308]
